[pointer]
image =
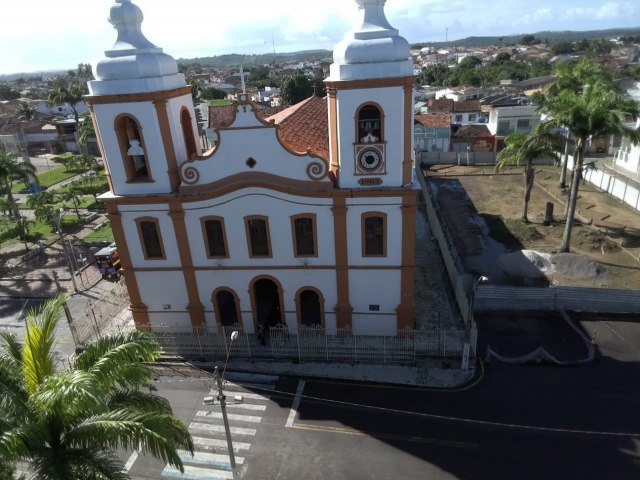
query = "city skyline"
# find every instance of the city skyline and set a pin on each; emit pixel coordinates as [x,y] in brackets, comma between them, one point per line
[39,37]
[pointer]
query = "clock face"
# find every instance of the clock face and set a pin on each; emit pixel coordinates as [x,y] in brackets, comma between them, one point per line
[370,159]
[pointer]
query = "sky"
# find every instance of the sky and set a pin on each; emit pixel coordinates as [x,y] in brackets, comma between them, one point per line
[41,35]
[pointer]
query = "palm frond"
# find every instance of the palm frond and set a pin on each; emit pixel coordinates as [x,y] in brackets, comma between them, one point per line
[12,346]
[139,400]
[37,353]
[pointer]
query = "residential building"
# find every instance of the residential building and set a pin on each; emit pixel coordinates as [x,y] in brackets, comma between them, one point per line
[432,133]
[305,218]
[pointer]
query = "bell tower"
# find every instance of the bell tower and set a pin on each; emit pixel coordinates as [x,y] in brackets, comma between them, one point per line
[370,95]
[142,110]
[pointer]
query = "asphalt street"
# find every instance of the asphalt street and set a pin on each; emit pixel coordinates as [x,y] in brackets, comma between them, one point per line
[532,421]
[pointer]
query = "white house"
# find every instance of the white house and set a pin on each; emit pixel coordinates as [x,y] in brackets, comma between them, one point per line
[305,218]
[628,156]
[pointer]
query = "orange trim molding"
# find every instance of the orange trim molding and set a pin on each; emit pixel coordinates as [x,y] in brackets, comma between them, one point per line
[250,240]
[143,244]
[294,237]
[136,97]
[167,143]
[407,309]
[343,308]
[254,305]
[138,309]
[363,221]
[407,162]
[203,221]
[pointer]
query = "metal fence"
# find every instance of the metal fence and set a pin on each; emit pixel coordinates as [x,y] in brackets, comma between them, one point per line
[103,317]
[312,344]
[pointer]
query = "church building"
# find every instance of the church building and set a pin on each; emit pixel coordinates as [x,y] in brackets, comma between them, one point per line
[304,218]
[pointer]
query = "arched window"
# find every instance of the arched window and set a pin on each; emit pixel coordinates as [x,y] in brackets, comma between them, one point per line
[369,124]
[374,234]
[150,238]
[133,150]
[226,306]
[187,132]
[310,307]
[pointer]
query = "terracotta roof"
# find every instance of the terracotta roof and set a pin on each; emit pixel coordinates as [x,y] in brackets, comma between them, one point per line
[305,126]
[467,106]
[434,121]
[466,131]
[222,116]
[442,105]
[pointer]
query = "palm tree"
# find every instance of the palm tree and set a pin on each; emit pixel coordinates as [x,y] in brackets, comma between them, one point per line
[72,95]
[11,169]
[71,195]
[522,150]
[572,77]
[86,130]
[25,112]
[67,424]
[599,109]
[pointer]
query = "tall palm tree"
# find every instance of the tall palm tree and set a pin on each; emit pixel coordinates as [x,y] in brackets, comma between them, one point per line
[599,109]
[72,96]
[25,112]
[71,195]
[522,150]
[11,169]
[86,129]
[67,424]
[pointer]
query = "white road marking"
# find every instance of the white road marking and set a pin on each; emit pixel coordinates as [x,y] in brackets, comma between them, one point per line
[231,416]
[247,406]
[197,473]
[257,386]
[296,403]
[214,442]
[130,462]
[250,396]
[612,330]
[207,427]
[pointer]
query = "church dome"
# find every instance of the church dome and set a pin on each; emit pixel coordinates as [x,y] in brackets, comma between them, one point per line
[373,50]
[133,63]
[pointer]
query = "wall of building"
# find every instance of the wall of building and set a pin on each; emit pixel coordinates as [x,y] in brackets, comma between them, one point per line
[391,100]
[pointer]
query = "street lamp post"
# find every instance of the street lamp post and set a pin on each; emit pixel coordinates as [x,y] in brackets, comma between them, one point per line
[479,280]
[56,219]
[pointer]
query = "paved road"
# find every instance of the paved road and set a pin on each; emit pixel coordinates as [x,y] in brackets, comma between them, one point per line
[533,421]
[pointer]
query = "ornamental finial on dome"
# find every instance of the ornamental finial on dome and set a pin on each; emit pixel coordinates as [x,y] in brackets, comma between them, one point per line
[374,49]
[133,64]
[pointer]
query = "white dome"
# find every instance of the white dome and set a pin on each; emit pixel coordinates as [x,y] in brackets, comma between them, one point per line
[133,64]
[373,50]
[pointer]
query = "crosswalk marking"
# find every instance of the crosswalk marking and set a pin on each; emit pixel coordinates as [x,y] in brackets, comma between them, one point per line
[210,460]
[231,416]
[247,396]
[247,406]
[220,428]
[197,473]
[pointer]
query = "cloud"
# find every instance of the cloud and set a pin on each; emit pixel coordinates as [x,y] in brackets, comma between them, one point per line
[615,10]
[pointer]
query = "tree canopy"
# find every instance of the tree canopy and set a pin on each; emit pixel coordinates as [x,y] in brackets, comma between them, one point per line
[68,423]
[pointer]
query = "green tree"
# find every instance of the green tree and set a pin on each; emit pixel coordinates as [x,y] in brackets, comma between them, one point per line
[86,129]
[594,109]
[25,112]
[522,150]
[295,88]
[11,169]
[72,195]
[212,93]
[196,89]
[67,424]
[8,93]
[71,95]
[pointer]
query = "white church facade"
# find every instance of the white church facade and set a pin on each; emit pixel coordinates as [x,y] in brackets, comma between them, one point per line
[305,218]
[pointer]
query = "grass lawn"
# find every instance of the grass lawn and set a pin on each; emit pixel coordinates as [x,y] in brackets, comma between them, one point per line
[220,102]
[46,179]
[103,234]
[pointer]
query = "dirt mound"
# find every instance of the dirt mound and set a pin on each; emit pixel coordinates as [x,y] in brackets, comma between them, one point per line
[532,265]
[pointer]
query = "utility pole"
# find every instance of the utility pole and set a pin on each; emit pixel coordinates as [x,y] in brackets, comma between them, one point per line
[223,407]
[67,312]
[56,219]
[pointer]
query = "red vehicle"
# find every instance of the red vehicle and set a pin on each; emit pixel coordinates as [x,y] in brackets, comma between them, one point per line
[108,261]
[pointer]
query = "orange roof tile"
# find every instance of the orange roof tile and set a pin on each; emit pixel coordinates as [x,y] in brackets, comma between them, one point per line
[221,116]
[304,126]
[434,121]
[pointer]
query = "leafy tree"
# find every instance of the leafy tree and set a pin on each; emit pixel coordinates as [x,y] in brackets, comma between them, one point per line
[8,93]
[25,112]
[84,72]
[212,93]
[72,96]
[196,89]
[11,169]
[295,88]
[86,129]
[68,424]
[594,109]
[562,48]
[72,195]
[522,150]
[529,40]
[469,62]
[502,57]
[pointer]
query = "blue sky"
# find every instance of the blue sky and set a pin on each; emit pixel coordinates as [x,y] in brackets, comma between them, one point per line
[44,35]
